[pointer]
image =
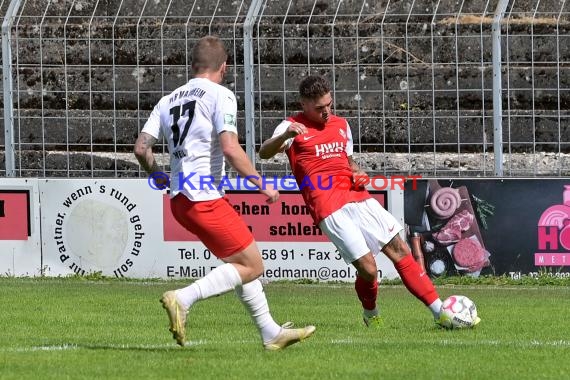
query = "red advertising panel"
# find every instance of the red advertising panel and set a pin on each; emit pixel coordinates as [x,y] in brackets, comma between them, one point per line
[14,215]
[286,220]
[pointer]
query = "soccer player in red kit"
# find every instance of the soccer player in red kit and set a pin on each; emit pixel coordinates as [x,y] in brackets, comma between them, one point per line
[319,147]
[198,120]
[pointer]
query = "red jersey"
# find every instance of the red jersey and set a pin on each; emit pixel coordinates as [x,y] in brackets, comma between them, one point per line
[319,161]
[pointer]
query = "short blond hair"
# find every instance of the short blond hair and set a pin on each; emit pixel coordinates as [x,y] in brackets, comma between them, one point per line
[209,54]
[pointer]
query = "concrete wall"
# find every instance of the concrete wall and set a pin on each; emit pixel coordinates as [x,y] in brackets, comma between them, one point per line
[114,69]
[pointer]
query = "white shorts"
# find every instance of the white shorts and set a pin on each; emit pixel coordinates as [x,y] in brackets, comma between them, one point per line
[360,227]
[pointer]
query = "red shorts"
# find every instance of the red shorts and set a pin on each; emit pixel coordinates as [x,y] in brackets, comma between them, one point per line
[216,223]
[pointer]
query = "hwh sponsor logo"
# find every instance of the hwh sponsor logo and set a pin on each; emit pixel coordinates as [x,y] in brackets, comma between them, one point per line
[325,149]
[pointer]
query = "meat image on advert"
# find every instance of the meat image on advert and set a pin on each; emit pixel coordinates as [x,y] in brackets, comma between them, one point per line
[443,227]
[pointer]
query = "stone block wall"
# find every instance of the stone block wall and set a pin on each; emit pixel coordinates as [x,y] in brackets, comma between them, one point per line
[408,79]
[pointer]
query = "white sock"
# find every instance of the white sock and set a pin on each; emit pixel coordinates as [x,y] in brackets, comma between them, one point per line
[220,280]
[253,298]
[435,308]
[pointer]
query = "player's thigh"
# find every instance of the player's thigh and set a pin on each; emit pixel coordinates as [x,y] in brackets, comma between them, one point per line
[216,223]
[345,235]
[376,224]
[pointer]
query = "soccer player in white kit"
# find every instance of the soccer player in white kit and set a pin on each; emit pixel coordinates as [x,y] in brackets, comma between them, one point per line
[198,120]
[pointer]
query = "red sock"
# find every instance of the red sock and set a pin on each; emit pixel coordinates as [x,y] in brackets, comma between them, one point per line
[367,292]
[416,281]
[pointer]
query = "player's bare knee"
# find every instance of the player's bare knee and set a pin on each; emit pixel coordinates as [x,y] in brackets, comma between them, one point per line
[396,255]
[257,270]
[249,272]
[368,275]
[396,249]
[366,267]
[254,268]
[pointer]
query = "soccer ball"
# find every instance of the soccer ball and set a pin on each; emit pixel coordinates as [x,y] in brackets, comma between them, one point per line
[458,312]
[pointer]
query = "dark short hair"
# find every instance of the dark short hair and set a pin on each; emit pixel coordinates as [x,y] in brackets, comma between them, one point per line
[314,87]
[209,54]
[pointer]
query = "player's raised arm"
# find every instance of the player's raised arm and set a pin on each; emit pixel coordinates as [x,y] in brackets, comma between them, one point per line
[276,144]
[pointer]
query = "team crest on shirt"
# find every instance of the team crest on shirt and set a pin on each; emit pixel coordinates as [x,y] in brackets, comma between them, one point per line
[342,133]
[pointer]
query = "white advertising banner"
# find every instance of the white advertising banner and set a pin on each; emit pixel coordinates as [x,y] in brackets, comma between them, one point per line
[124,228]
[111,226]
[20,240]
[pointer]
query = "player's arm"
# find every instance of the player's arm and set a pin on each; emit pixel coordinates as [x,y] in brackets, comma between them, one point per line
[276,144]
[356,170]
[239,160]
[225,125]
[353,165]
[359,176]
[146,140]
[349,151]
[143,152]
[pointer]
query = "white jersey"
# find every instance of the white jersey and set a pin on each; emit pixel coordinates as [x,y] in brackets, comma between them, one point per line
[191,119]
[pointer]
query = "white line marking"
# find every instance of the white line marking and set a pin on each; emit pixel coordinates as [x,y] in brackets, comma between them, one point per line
[345,341]
[65,347]
[40,348]
[473,343]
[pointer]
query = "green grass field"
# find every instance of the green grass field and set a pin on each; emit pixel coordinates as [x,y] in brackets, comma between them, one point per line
[73,328]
